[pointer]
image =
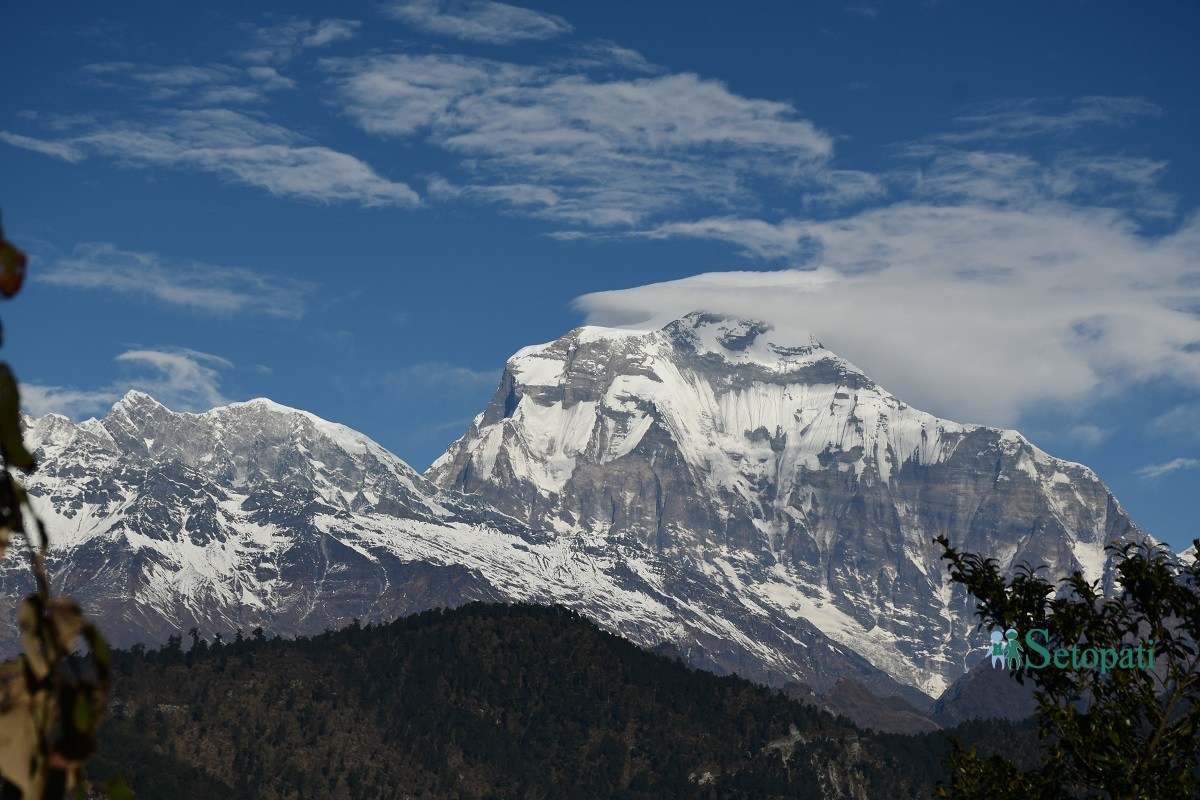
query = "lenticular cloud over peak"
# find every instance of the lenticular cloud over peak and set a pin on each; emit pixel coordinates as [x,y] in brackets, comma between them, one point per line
[975,313]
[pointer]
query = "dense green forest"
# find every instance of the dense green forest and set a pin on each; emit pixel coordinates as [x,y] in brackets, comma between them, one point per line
[487,701]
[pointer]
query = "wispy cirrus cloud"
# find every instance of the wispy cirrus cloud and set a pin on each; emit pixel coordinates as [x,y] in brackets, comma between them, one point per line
[439,375]
[1087,435]
[1182,420]
[61,150]
[189,284]
[185,380]
[280,43]
[869,12]
[594,139]
[240,148]
[179,378]
[1151,471]
[1024,118]
[938,176]
[602,54]
[328,31]
[479,20]
[38,400]
[562,144]
[186,119]
[1004,177]
[188,84]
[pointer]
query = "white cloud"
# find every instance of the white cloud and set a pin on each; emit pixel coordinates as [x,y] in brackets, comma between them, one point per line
[184,380]
[38,400]
[62,150]
[175,78]
[479,20]
[328,31]
[456,426]
[1008,178]
[243,149]
[944,178]
[103,68]
[604,54]
[194,285]
[602,152]
[440,375]
[1088,435]
[1174,465]
[758,238]
[1182,420]
[870,12]
[1018,119]
[181,379]
[974,312]
[191,85]
[1127,182]
[270,78]
[278,44]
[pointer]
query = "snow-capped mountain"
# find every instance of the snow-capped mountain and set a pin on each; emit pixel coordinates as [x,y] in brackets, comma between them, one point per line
[759,506]
[259,515]
[251,514]
[779,483]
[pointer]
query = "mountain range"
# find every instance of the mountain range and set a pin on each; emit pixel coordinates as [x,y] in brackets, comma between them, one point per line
[755,503]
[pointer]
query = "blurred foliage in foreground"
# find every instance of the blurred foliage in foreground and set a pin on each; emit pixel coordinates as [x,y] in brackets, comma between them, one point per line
[51,704]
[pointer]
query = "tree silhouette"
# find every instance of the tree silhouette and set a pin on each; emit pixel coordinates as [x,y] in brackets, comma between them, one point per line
[1115,730]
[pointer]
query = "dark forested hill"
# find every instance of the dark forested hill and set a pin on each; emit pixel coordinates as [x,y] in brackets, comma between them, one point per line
[487,701]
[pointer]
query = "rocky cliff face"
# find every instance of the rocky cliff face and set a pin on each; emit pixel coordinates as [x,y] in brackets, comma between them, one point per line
[781,489]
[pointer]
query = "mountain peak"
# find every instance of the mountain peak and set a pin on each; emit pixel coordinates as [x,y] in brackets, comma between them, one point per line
[136,398]
[740,340]
[723,341]
[140,418]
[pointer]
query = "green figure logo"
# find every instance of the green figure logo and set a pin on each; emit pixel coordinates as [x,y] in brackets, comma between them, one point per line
[1012,649]
[996,651]
[1005,650]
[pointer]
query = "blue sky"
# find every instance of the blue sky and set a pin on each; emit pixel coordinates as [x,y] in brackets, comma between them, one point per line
[363,209]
